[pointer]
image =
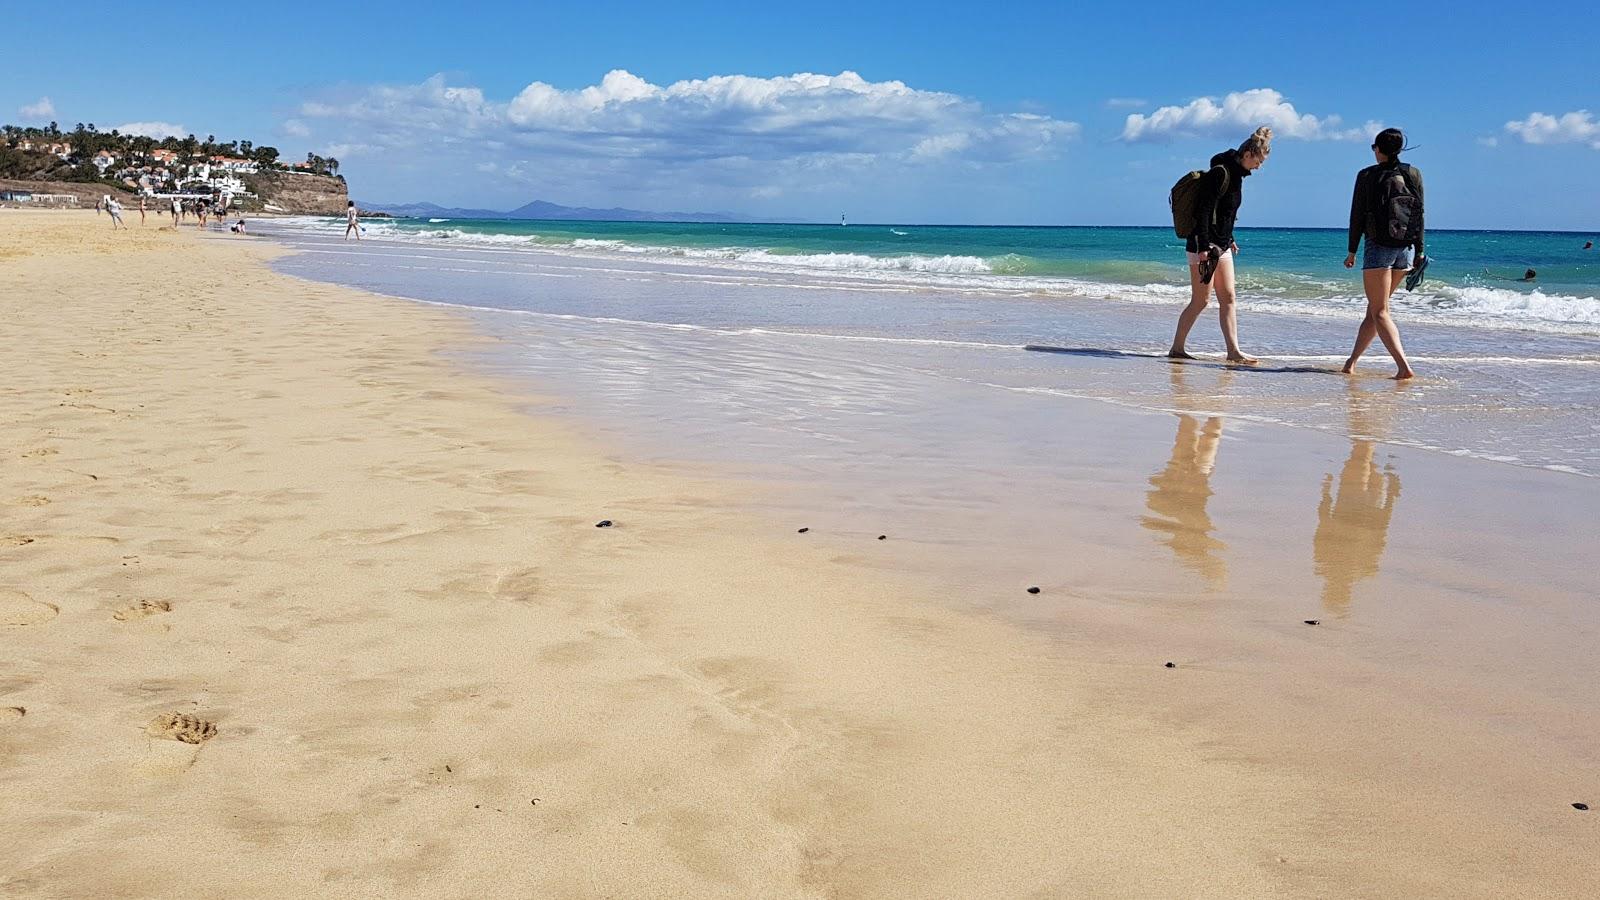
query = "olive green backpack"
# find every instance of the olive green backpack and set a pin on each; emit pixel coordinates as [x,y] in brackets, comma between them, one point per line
[1185,202]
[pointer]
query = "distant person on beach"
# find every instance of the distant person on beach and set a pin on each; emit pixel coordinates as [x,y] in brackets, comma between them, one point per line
[352,223]
[1386,209]
[237,227]
[177,212]
[141,209]
[114,209]
[1211,248]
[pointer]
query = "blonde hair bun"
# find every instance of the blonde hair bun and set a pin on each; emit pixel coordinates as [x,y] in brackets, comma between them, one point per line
[1259,142]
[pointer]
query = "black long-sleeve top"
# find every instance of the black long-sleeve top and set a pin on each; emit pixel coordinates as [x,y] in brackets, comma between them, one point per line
[1219,202]
[1363,221]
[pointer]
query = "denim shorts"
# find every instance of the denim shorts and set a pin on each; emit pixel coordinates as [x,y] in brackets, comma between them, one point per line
[1380,257]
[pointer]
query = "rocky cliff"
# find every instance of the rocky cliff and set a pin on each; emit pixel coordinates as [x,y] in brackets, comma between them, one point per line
[292,192]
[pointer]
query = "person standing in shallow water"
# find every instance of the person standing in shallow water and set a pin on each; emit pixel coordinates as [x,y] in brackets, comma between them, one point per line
[1221,192]
[1388,258]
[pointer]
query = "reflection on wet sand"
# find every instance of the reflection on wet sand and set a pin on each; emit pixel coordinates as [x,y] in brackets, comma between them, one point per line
[1179,492]
[1353,518]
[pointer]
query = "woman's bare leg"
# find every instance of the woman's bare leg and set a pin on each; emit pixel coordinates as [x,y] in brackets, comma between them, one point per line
[1199,295]
[1380,285]
[1223,282]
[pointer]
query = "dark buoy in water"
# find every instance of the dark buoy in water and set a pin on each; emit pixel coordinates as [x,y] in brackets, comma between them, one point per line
[1033,590]
[1581,807]
[1313,621]
[1172,665]
[803,531]
[603,523]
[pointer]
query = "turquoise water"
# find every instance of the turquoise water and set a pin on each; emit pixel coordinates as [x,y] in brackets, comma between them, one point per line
[1472,278]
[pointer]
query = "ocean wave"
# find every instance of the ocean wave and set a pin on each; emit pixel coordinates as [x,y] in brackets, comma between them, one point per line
[1518,306]
[848,262]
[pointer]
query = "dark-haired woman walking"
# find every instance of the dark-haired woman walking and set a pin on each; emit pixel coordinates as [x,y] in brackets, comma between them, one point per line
[1387,210]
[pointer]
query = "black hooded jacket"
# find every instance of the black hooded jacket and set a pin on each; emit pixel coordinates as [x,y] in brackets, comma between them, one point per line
[1219,204]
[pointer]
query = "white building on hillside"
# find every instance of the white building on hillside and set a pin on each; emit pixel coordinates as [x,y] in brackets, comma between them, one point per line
[235,164]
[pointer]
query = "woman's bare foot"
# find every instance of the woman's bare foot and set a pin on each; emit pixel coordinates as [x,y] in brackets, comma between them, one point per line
[1178,354]
[1349,367]
[1403,374]
[1243,360]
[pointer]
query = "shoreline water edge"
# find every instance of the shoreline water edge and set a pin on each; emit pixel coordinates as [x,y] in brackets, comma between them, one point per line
[306,579]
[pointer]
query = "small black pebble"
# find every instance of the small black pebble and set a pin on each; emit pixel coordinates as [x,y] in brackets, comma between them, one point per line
[1172,665]
[883,537]
[1033,590]
[476,806]
[603,523]
[802,531]
[447,769]
[1582,807]
[1313,621]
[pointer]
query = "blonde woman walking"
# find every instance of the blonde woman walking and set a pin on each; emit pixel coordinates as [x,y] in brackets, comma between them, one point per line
[1211,248]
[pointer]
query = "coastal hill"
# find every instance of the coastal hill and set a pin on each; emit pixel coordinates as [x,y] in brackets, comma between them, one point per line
[540,209]
[51,167]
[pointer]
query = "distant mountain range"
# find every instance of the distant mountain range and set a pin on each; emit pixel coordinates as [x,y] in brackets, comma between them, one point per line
[540,209]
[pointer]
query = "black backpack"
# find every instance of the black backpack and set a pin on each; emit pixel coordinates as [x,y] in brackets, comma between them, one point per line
[1396,208]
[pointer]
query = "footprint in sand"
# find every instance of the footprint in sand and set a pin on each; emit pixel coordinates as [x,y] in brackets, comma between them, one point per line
[520,585]
[17,608]
[34,500]
[11,713]
[14,540]
[181,727]
[142,609]
[42,451]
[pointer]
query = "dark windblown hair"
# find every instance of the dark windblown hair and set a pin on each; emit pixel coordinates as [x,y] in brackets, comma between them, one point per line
[1390,142]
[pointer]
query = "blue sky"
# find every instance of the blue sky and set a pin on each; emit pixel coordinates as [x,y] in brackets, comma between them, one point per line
[1012,113]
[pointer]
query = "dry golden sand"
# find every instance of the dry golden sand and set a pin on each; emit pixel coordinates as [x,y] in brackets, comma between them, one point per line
[293,606]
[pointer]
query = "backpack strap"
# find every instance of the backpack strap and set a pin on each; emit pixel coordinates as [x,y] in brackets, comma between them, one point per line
[1221,189]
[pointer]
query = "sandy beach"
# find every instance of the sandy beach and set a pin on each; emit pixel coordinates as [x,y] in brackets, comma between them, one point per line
[293,603]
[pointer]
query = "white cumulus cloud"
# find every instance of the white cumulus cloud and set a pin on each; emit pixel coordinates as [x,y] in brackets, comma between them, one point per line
[43,109]
[1235,116]
[1577,127]
[153,129]
[296,128]
[725,119]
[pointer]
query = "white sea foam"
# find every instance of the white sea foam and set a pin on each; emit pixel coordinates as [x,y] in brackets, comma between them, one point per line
[1535,305]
